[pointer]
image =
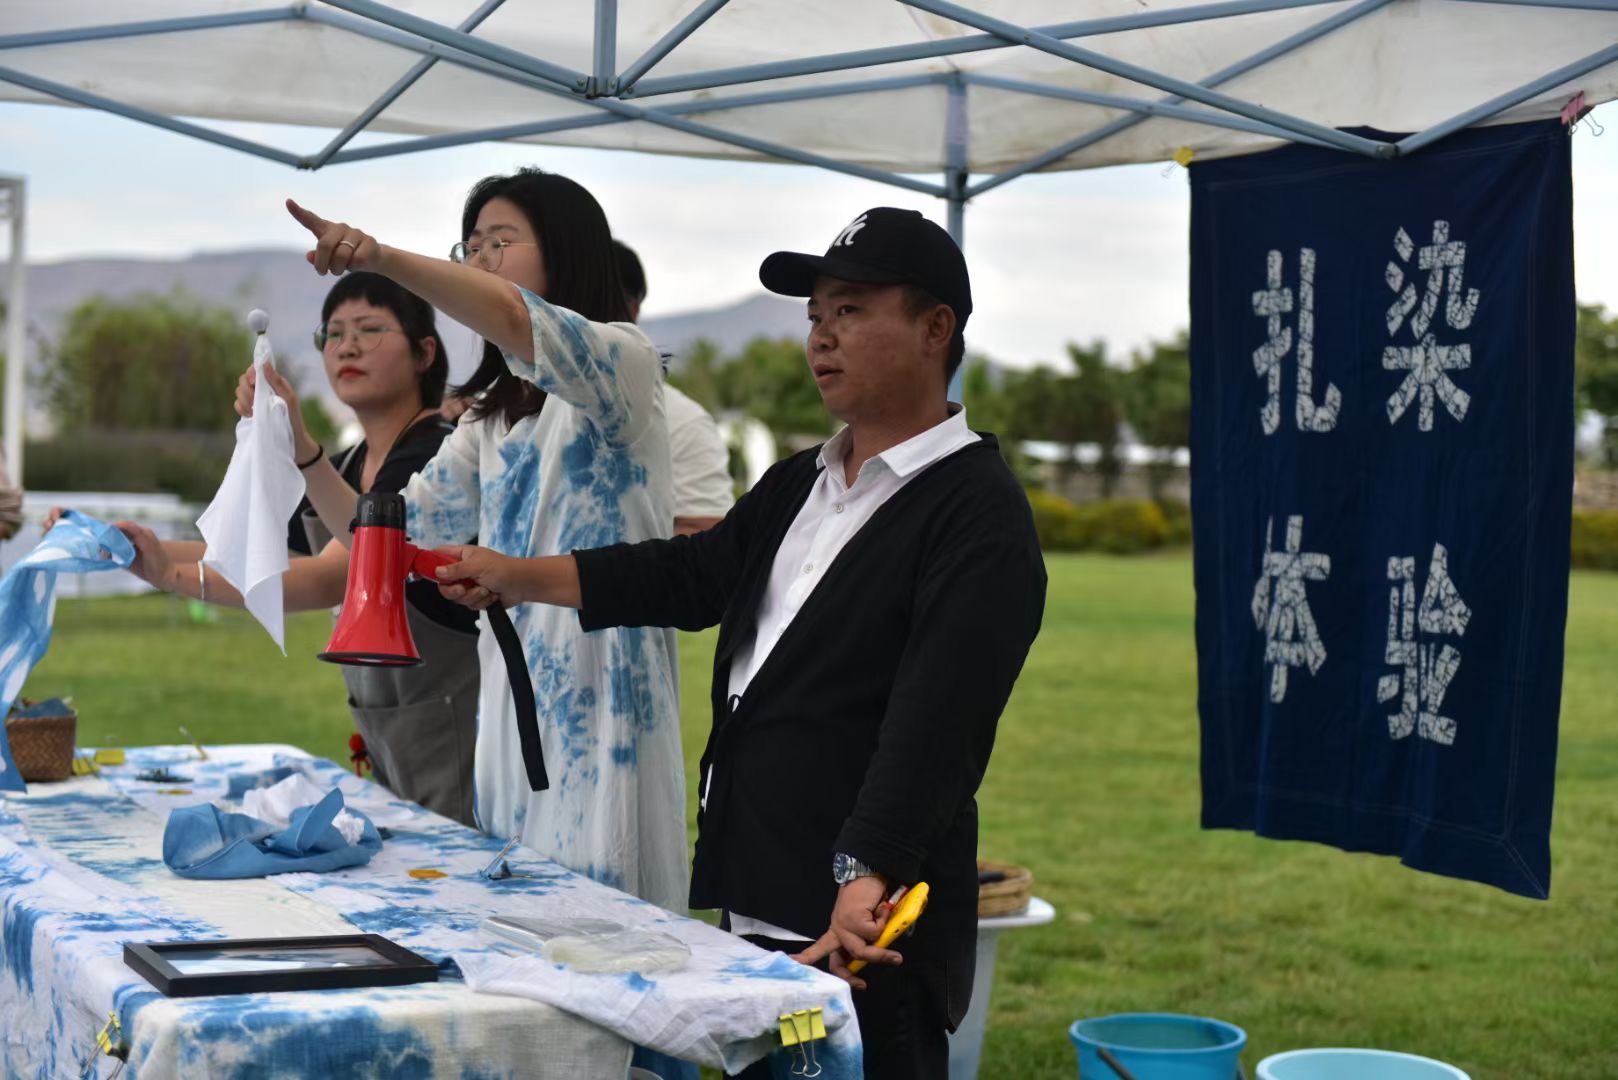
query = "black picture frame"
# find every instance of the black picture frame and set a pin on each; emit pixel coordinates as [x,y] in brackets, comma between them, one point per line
[226,966]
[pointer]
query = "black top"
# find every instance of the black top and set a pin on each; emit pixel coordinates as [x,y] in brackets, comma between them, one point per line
[410,454]
[868,727]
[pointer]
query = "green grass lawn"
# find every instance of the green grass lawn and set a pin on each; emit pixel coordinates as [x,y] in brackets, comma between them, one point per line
[1094,785]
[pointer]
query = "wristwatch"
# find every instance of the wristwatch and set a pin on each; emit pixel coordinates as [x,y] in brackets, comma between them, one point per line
[845,868]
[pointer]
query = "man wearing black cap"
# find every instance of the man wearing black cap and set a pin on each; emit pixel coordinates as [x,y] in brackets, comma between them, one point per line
[875,599]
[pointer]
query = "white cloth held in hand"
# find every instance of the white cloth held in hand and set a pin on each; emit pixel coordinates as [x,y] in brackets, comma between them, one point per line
[246,524]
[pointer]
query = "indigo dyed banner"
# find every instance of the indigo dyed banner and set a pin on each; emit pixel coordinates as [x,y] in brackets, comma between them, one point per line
[1381,473]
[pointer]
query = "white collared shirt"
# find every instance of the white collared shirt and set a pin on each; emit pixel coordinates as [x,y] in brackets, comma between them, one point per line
[829,519]
[832,515]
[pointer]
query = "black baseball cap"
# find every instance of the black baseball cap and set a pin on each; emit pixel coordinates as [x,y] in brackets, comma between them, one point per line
[883,245]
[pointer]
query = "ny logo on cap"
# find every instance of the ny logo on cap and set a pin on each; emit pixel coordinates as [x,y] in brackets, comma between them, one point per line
[846,237]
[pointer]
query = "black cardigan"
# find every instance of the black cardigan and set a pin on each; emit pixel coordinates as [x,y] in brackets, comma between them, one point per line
[868,727]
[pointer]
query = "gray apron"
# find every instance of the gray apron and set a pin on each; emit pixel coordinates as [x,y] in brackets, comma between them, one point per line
[420,724]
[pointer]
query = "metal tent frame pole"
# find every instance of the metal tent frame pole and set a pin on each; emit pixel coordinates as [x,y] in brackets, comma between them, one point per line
[16,209]
[607,94]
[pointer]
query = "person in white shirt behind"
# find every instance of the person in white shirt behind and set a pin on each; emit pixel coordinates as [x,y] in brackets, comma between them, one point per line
[703,489]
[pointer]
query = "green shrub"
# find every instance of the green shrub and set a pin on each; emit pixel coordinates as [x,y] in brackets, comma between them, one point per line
[1116,526]
[1595,539]
[189,464]
[1057,522]
[1177,515]
[1126,526]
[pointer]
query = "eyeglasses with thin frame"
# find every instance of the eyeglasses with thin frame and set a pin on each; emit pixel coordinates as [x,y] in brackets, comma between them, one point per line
[485,253]
[367,336]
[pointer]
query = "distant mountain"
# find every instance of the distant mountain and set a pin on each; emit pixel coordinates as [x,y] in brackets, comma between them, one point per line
[730,327]
[279,281]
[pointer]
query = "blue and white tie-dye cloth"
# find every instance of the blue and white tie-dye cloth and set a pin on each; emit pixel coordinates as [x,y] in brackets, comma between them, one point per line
[76,544]
[591,469]
[81,873]
[211,844]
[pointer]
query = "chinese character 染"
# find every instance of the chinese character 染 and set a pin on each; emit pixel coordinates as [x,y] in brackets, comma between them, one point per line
[1272,303]
[1281,605]
[1427,362]
[1426,667]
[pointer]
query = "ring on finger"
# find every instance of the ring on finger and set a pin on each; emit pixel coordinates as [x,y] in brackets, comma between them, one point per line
[350,243]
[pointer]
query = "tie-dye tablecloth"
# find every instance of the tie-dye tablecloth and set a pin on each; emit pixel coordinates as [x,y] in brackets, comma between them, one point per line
[81,873]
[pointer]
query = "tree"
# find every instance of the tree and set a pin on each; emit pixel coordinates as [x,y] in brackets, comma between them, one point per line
[1093,408]
[699,374]
[317,421]
[149,363]
[989,408]
[1595,369]
[1158,403]
[770,380]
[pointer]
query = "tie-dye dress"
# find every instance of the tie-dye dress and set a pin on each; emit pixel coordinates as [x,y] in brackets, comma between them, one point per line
[592,468]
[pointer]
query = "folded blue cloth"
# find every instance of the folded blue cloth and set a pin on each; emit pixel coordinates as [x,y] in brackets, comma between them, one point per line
[205,842]
[76,544]
[243,782]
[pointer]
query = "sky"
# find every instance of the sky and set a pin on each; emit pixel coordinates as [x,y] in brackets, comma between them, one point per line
[1074,256]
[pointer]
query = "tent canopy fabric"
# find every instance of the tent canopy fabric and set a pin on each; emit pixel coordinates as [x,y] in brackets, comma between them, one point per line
[991,88]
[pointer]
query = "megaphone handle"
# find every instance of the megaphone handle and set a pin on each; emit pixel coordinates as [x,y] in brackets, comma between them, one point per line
[424,564]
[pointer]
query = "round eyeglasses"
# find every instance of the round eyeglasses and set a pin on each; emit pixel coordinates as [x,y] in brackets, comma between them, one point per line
[366,336]
[485,253]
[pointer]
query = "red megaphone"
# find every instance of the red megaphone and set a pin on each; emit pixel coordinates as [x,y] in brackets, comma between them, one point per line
[372,628]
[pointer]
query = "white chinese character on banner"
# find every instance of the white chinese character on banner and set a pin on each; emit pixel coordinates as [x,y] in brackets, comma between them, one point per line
[1427,668]
[1271,303]
[1428,362]
[1281,605]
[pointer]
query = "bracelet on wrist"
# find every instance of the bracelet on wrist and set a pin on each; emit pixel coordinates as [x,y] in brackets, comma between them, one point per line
[320,452]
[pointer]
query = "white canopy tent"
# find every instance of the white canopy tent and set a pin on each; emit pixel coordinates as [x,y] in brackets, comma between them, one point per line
[951,99]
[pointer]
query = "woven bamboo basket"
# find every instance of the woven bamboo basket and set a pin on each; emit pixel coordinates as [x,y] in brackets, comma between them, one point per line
[1006,897]
[42,746]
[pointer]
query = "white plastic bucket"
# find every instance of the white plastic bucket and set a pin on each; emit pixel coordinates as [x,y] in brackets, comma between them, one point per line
[1341,1063]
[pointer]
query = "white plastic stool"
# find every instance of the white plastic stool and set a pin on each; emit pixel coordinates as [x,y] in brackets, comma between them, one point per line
[966,1045]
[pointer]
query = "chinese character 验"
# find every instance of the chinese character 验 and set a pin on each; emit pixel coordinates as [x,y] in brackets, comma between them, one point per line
[1281,606]
[1426,668]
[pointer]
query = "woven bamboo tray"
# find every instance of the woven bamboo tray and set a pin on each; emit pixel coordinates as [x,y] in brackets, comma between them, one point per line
[1007,897]
[42,746]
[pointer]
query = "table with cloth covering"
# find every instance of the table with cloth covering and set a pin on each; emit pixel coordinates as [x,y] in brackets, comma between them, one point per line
[81,873]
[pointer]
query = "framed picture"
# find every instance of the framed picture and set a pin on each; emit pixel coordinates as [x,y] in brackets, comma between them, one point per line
[261,965]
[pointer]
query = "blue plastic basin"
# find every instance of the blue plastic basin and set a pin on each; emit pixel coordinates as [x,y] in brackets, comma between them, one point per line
[1158,1046]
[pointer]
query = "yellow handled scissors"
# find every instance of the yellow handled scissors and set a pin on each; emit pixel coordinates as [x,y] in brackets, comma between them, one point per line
[902,918]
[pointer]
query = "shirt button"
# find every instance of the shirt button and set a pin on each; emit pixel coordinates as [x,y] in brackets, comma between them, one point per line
[809,568]
[838,508]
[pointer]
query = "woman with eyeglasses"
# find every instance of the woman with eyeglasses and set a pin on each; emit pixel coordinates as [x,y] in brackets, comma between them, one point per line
[385,360]
[564,446]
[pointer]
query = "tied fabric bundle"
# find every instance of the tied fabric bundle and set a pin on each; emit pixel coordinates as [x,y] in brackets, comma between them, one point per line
[207,843]
[76,544]
[245,525]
